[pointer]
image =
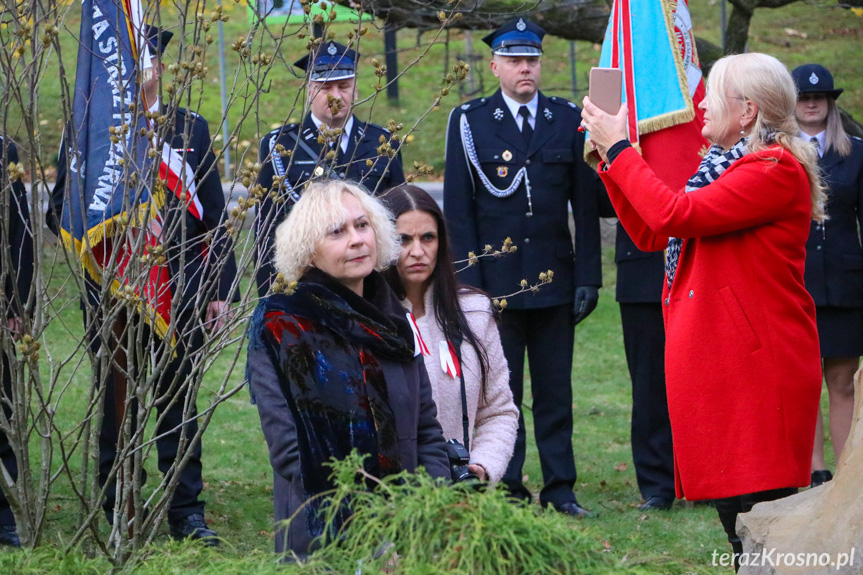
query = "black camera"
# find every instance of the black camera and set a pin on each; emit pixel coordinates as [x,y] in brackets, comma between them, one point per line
[458,461]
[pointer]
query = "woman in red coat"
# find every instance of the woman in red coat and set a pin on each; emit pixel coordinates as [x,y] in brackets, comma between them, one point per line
[742,359]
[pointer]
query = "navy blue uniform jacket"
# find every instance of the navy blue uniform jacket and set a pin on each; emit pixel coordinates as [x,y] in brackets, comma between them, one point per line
[559,178]
[17,224]
[834,258]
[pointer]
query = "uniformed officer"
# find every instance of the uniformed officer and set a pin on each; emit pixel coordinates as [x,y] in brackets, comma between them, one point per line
[16,280]
[330,142]
[513,168]
[200,254]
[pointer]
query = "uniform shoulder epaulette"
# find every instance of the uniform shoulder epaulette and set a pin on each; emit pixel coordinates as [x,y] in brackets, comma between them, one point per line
[283,129]
[369,126]
[190,113]
[473,104]
[563,102]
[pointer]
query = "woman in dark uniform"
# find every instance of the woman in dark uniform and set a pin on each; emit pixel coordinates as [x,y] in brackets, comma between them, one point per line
[834,257]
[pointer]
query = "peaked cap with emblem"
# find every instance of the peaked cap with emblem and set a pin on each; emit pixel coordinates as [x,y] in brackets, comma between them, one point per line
[157,38]
[332,61]
[815,79]
[518,37]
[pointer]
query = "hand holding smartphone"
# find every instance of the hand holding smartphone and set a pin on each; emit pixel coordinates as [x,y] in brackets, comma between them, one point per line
[605,88]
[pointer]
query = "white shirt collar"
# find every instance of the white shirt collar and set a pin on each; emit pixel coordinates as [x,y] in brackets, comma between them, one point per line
[821,137]
[514,106]
[346,132]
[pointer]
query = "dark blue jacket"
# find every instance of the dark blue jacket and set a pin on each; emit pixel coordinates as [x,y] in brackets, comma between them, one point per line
[361,163]
[559,179]
[834,257]
[15,223]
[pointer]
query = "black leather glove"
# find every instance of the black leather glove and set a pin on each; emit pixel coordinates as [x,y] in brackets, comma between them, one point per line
[586,298]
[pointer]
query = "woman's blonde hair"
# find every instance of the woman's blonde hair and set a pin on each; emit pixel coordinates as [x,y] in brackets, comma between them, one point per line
[321,210]
[835,136]
[766,82]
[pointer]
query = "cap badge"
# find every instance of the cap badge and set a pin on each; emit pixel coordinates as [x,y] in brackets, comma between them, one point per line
[813,79]
[498,114]
[502,171]
[332,49]
[521,25]
[506,155]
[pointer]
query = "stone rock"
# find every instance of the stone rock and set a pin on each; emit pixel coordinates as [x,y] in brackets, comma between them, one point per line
[817,531]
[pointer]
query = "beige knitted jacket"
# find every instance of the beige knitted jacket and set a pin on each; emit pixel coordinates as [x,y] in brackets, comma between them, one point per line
[493,419]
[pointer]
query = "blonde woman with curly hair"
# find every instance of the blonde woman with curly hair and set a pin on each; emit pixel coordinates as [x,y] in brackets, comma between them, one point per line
[743,371]
[332,362]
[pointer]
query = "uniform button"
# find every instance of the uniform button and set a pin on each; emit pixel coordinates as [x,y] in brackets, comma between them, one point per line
[818,247]
[526,241]
[629,253]
[528,214]
[666,301]
[527,162]
[818,227]
[691,294]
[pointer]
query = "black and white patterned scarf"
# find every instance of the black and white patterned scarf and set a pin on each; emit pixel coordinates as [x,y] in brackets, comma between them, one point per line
[712,165]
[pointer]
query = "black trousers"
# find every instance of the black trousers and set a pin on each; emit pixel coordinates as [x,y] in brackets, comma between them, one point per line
[652,452]
[548,335]
[172,388]
[7,456]
[730,507]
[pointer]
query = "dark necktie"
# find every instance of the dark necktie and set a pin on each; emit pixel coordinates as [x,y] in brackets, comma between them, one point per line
[526,130]
[817,143]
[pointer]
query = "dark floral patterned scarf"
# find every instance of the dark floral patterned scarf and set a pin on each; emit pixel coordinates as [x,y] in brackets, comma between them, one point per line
[325,342]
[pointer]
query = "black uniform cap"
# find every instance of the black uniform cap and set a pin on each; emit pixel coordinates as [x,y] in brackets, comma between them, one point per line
[157,39]
[332,61]
[518,37]
[815,79]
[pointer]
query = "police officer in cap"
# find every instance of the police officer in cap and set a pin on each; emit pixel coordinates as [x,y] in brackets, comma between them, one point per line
[201,253]
[514,167]
[330,143]
[15,281]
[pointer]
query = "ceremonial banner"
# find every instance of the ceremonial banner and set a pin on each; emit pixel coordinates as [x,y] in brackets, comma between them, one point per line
[662,84]
[651,41]
[111,215]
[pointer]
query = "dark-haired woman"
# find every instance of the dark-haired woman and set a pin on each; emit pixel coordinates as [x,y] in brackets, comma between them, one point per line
[460,334]
[834,257]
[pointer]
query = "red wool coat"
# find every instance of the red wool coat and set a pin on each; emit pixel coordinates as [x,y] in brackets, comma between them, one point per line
[742,362]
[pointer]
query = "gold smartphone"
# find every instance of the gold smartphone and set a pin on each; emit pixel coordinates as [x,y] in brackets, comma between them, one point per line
[604,90]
